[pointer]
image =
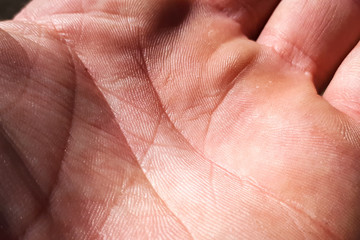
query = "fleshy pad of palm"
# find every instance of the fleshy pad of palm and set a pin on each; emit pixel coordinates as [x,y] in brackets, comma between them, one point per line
[180,119]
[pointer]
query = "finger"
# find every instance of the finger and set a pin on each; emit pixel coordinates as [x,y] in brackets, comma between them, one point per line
[313,35]
[344,90]
[251,15]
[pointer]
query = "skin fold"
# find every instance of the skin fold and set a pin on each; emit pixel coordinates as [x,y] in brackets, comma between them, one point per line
[180,119]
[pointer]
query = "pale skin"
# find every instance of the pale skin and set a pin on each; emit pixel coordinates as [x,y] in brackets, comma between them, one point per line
[175,119]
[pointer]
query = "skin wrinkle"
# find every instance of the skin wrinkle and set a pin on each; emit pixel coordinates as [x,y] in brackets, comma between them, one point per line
[143,66]
[265,192]
[354,108]
[273,196]
[97,173]
[150,143]
[105,90]
[222,99]
[166,32]
[302,54]
[34,187]
[172,121]
[164,204]
[290,208]
[286,58]
[23,173]
[298,225]
[211,181]
[47,204]
[262,190]
[303,213]
[152,187]
[21,166]
[23,71]
[230,82]
[50,141]
[223,93]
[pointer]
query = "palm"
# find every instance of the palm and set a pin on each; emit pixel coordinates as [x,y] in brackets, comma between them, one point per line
[140,120]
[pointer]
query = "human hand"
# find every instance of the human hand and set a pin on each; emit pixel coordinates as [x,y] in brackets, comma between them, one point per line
[162,119]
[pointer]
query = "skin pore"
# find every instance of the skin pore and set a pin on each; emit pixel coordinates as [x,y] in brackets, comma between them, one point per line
[180,119]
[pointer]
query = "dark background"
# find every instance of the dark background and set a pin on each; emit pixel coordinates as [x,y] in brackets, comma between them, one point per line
[8,8]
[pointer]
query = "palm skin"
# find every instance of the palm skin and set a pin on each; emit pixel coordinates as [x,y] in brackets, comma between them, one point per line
[161,120]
